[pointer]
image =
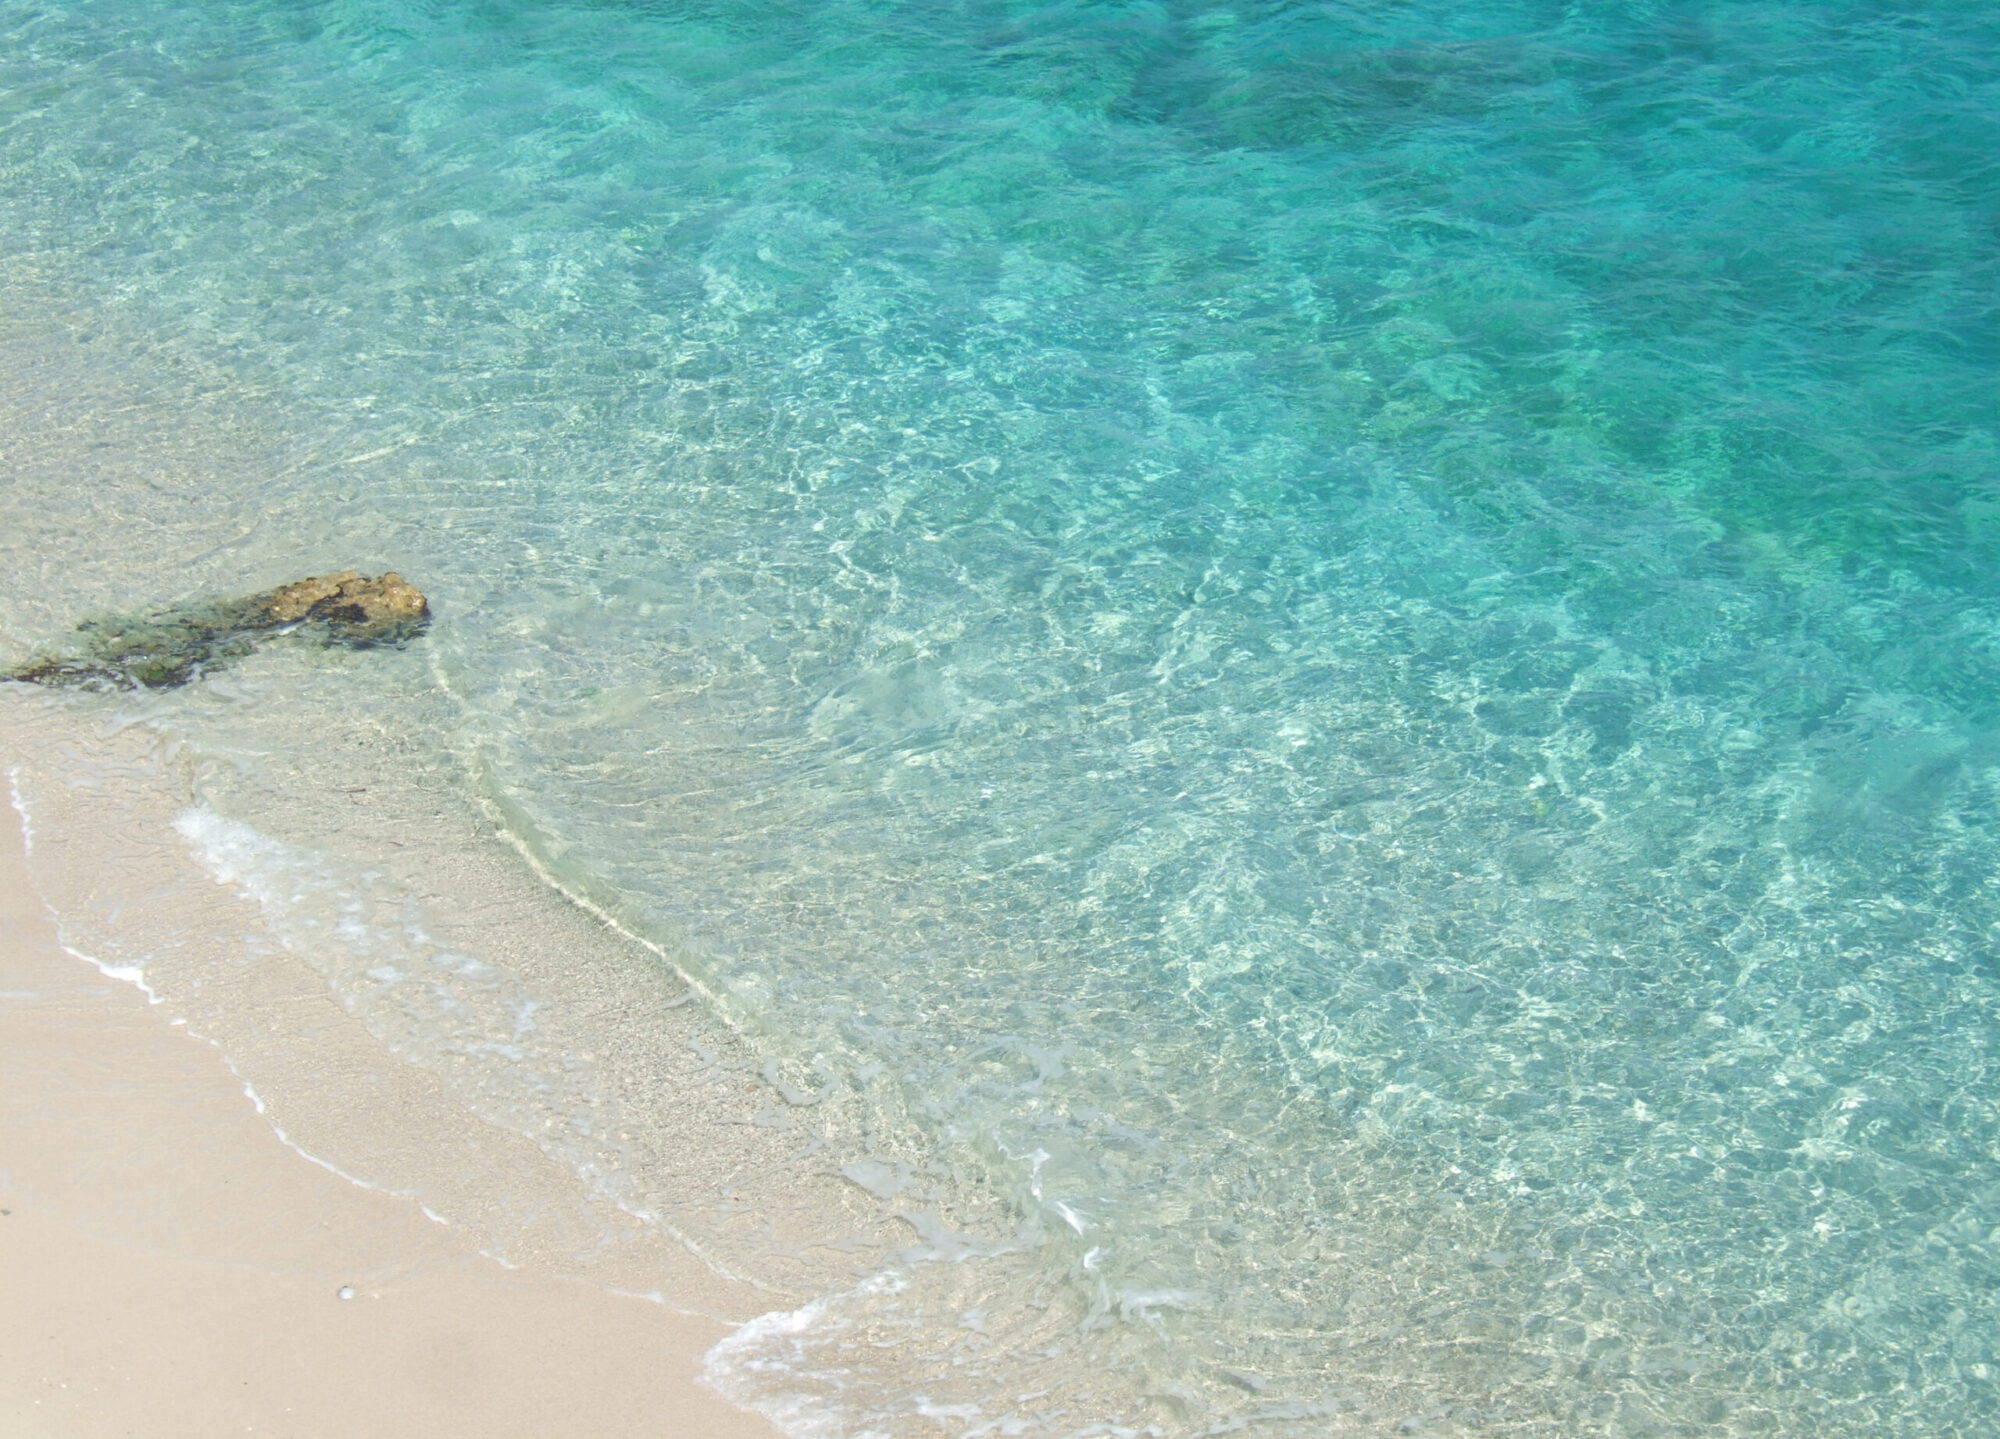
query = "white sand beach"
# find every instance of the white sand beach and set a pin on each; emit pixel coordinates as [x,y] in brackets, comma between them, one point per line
[169,1268]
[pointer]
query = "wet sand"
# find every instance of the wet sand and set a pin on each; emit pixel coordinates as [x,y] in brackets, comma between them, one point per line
[169,1268]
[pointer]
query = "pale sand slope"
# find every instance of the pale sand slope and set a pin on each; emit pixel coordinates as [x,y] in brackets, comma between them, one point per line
[170,1270]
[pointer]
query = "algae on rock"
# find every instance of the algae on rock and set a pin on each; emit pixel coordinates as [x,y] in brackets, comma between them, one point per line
[160,651]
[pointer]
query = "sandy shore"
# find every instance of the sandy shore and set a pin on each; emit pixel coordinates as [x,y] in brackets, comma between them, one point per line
[168,1267]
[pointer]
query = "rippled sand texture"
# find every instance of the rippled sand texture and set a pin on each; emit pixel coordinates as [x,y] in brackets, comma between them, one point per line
[1321,680]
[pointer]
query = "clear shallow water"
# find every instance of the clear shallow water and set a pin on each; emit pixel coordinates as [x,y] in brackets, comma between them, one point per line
[1349,651]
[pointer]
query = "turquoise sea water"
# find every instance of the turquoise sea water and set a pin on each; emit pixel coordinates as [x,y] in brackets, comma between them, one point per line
[1351,652]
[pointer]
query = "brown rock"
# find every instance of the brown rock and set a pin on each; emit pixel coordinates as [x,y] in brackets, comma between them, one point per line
[294,601]
[355,605]
[166,649]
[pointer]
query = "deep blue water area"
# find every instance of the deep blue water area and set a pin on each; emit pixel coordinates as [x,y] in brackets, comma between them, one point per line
[1351,650]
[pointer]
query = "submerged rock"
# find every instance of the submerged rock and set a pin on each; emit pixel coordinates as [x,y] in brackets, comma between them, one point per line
[354,608]
[160,651]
